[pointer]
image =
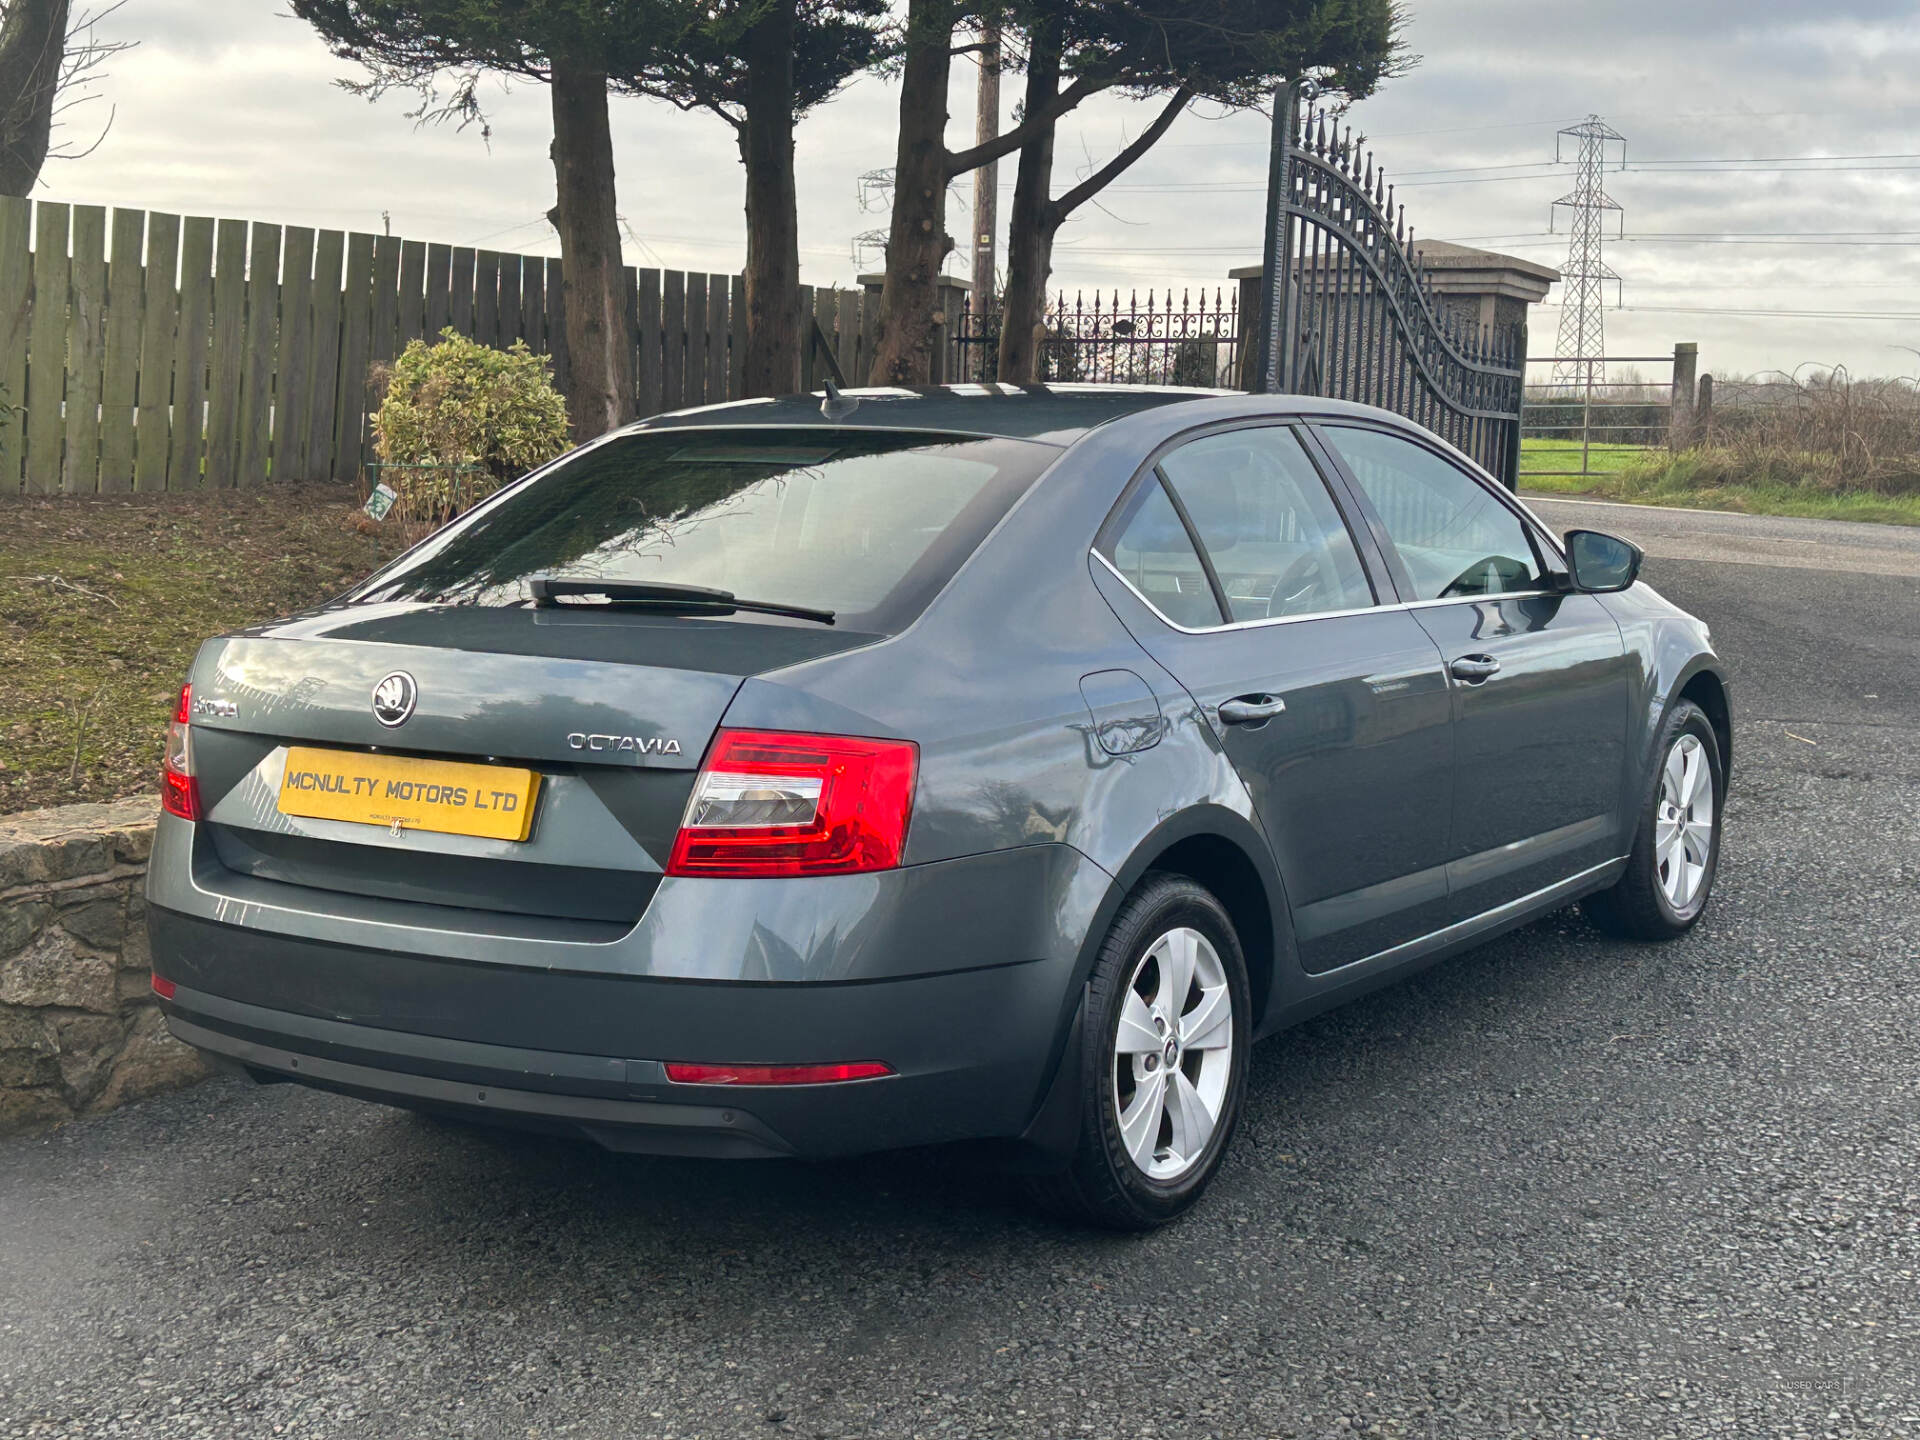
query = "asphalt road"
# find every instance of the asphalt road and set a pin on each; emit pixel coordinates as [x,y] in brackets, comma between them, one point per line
[1560,1187]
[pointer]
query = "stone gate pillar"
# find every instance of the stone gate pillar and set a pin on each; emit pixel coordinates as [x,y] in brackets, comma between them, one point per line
[951,293]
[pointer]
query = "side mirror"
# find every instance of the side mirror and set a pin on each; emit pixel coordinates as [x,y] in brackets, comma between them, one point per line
[1600,564]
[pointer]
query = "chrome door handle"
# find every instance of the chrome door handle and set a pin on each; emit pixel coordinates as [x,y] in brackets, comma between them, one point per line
[1251,709]
[1474,669]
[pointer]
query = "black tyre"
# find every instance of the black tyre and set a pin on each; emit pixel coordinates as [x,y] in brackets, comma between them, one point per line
[1676,848]
[1163,1060]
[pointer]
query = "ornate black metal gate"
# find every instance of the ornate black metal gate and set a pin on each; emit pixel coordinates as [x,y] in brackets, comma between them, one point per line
[1191,339]
[1358,317]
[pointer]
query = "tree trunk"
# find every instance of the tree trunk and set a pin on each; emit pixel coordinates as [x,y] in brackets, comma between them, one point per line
[33,39]
[1030,229]
[772,363]
[918,241]
[1037,218]
[600,341]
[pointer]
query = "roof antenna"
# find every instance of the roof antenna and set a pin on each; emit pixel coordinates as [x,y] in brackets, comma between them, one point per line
[837,406]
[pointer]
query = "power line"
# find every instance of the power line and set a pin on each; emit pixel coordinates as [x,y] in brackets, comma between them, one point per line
[1704,234]
[1775,159]
[1665,115]
[1735,240]
[1517,243]
[1836,240]
[1767,314]
[1540,170]
[1387,135]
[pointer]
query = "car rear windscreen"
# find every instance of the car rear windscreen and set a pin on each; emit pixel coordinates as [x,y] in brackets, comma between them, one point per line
[868,524]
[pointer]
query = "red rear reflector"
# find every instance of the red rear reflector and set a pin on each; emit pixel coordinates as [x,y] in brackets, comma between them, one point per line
[780,804]
[683,1073]
[179,792]
[164,988]
[179,795]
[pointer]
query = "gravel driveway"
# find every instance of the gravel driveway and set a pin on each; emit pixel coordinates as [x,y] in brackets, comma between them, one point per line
[1559,1187]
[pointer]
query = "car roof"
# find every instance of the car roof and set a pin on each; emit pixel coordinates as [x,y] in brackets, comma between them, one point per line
[1059,414]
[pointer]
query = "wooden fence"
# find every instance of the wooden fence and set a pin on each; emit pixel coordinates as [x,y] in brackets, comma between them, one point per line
[141,351]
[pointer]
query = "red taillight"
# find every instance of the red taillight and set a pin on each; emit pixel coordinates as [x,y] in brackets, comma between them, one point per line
[684,1073]
[179,792]
[165,989]
[780,804]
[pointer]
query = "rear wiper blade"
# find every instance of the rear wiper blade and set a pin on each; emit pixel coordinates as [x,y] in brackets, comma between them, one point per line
[547,589]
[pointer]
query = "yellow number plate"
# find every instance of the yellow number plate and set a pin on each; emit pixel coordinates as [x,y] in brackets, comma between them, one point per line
[486,800]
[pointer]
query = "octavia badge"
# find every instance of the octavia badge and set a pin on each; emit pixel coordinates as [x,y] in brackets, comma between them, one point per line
[393,699]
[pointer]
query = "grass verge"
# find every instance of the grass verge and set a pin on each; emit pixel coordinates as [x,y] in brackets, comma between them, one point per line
[1537,454]
[104,599]
[1722,480]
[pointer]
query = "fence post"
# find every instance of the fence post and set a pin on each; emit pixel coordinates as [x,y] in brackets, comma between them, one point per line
[718,287]
[1703,410]
[356,323]
[262,355]
[159,332]
[1686,362]
[195,337]
[646,329]
[228,354]
[85,335]
[122,358]
[47,347]
[870,286]
[16,290]
[737,338]
[329,304]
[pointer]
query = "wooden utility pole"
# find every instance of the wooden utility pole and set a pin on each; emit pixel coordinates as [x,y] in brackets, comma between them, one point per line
[986,126]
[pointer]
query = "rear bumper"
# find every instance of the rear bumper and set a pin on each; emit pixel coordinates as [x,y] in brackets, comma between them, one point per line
[650,1126]
[578,1045]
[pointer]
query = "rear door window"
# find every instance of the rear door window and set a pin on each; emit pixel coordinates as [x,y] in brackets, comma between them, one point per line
[1268,524]
[868,524]
[1153,550]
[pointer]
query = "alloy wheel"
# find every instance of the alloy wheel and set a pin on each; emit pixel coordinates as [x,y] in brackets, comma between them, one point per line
[1173,1054]
[1683,821]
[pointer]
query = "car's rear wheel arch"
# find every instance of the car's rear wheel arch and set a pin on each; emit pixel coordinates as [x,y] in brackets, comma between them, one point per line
[1219,850]
[1216,848]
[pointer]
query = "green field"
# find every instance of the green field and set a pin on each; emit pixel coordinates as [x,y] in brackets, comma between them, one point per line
[1537,455]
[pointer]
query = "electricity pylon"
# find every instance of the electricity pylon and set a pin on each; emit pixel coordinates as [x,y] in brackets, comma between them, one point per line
[1583,331]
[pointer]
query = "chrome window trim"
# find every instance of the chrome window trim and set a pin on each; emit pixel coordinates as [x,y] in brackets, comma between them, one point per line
[1316,615]
[1300,427]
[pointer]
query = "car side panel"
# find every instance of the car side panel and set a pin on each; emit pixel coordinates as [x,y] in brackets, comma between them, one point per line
[1667,647]
[1540,746]
[1353,781]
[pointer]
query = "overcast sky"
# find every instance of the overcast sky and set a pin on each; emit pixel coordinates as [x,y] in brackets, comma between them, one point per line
[228,108]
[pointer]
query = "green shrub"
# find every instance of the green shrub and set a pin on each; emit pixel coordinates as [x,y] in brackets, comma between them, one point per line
[460,419]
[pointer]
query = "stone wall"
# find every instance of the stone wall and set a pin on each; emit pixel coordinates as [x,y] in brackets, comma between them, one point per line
[79,1029]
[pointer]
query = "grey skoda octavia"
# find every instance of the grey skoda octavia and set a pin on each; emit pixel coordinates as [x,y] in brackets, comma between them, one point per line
[981,763]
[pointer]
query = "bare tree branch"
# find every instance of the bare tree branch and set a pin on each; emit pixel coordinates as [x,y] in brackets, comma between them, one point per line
[959,162]
[1117,166]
